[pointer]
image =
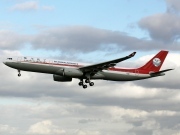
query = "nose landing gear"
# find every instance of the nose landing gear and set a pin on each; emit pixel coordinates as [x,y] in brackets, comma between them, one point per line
[19,73]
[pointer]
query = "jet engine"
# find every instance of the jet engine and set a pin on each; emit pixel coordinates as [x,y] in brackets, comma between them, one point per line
[60,78]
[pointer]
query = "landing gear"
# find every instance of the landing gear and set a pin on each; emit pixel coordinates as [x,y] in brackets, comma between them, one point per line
[91,84]
[87,81]
[84,86]
[19,73]
[81,83]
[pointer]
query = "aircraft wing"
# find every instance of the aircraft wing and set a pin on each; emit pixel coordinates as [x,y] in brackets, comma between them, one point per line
[104,65]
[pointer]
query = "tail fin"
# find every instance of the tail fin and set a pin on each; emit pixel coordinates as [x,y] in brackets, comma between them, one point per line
[156,62]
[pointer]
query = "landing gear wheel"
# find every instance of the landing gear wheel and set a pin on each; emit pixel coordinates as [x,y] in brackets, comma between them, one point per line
[91,84]
[87,81]
[80,83]
[84,86]
[19,75]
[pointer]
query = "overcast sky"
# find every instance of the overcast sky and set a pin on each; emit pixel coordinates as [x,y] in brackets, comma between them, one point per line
[89,31]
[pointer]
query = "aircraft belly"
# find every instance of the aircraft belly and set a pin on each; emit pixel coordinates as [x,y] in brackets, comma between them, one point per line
[98,76]
[123,76]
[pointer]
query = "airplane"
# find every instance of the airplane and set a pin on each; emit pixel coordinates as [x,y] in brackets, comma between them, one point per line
[64,71]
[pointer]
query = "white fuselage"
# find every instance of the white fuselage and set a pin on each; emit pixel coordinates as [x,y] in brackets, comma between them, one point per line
[71,69]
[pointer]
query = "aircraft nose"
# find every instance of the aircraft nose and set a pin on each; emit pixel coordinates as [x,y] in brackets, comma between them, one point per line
[7,60]
[4,61]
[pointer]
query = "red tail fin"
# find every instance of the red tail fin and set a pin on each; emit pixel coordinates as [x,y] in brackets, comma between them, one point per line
[155,63]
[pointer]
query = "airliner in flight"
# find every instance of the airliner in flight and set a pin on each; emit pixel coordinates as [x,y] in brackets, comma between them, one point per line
[64,71]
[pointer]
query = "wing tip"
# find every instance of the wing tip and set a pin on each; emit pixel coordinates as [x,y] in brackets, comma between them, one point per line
[132,54]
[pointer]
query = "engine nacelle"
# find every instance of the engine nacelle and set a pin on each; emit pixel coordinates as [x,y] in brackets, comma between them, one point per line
[59,78]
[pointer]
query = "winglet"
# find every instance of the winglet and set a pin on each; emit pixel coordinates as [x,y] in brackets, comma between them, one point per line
[132,54]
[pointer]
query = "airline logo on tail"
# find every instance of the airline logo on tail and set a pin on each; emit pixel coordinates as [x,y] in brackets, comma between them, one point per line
[156,62]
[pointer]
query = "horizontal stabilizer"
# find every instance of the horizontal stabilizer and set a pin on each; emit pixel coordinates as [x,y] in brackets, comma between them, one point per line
[159,73]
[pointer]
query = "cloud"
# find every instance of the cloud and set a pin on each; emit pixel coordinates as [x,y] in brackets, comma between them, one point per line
[45,127]
[76,38]
[6,129]
[89,39]
[81,39]
[147,128]
[48,8]
[164,27]
[26,6]
[85,132]
[31,6]
[44,117]
[173,6]
[10,40]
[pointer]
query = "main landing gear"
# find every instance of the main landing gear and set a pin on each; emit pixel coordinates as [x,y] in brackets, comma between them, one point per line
[19,73]
[81,83]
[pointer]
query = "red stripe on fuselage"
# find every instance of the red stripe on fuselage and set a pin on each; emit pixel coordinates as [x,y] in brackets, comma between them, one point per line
[53,64]
[129,70]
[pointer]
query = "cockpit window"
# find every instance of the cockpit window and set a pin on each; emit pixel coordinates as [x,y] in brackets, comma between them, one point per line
[9,58]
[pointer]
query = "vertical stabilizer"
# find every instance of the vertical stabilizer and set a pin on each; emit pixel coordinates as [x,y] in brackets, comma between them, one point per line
[156,62]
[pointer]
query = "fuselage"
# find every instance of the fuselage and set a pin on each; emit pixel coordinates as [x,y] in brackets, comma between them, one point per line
[71,69]
[64,71]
